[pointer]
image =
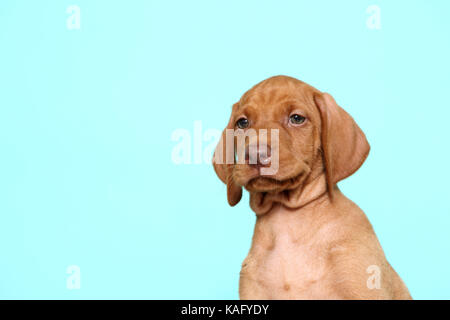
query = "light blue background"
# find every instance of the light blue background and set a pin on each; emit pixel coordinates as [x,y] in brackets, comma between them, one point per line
[86,117]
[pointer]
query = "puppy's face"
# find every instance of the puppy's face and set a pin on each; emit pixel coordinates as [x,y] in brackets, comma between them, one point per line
[287,129]
[286,134]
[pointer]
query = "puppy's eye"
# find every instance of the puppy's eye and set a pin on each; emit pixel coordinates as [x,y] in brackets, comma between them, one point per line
[242,123]
[297,119]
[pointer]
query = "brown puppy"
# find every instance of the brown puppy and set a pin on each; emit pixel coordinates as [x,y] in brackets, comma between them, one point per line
[310,241]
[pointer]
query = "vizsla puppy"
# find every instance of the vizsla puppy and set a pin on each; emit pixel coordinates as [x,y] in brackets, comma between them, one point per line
[310,241]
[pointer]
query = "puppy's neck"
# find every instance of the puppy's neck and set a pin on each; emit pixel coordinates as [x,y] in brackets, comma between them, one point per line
[262,203]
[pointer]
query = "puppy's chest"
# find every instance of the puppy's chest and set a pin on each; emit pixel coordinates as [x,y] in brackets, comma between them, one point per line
[286,269]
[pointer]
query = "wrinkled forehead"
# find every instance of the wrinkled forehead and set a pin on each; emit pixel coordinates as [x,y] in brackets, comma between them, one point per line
[273,96]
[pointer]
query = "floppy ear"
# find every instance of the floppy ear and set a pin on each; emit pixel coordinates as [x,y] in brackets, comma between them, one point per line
[223,162]
[344,145]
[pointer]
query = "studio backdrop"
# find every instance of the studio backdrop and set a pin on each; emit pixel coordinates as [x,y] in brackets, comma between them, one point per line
[110,112]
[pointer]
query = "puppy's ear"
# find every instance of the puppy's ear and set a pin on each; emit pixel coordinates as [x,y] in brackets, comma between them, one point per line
[344,145]
[223,162]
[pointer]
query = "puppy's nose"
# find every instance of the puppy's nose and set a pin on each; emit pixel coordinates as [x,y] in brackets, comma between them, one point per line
[258,156]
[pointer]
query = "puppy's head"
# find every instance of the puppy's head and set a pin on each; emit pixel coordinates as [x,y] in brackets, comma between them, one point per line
[280,132]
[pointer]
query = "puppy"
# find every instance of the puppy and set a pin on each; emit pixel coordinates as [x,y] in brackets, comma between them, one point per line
[310,241]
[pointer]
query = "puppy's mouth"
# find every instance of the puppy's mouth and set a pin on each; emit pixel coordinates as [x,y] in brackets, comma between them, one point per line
[289,176]
[273,184]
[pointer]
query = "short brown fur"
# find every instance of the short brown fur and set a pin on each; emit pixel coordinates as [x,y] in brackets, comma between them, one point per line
[310,241]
